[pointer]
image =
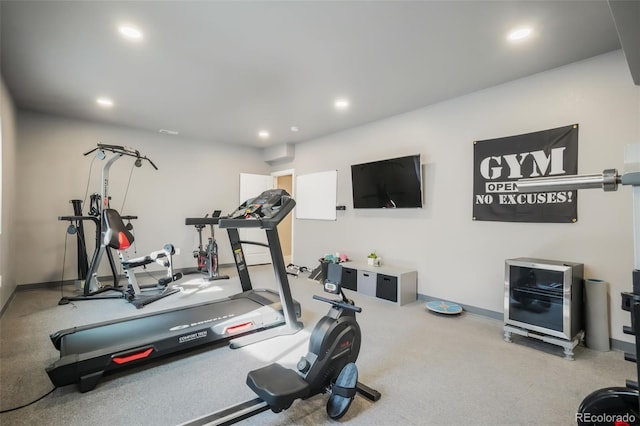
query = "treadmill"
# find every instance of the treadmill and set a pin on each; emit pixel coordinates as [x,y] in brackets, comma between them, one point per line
[89,352]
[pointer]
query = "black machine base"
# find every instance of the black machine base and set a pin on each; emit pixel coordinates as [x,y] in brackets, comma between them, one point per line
[88,352]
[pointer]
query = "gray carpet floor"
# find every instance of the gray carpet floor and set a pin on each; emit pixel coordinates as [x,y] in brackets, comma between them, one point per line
[430,369]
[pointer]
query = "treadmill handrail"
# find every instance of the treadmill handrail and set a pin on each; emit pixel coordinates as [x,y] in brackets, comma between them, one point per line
[202,220]
[288,204]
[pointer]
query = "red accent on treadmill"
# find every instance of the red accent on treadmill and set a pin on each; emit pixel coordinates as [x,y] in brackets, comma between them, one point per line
[239,328]
[134,357]
[123,241]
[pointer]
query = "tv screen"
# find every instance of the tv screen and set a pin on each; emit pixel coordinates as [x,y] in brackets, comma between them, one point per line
[392,183]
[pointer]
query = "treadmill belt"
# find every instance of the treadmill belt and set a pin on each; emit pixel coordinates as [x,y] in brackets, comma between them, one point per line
[87,352]
[138,331]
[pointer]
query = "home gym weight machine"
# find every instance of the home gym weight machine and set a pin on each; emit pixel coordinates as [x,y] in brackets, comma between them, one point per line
[109,227]
[623,403]
[207,257]
[329,366]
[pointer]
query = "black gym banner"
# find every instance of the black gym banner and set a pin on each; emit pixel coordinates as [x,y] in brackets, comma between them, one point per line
[499,163]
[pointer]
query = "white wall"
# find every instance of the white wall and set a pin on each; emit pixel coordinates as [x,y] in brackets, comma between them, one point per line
[194,178]
[461,260]
[456,258]
[7,232]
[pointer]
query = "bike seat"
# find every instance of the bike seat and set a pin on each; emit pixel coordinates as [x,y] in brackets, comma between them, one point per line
[277,386]
[116,234]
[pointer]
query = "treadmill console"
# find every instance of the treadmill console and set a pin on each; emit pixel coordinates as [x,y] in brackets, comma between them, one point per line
[265,205]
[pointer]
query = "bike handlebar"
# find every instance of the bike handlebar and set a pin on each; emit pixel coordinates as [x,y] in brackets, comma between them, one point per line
[122,150]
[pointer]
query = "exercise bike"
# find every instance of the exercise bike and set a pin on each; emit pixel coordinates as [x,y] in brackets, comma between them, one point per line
[328,367]
[207,258]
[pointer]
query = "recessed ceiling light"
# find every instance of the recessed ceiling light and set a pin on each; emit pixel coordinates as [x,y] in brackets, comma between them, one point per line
[294,128]
[341,104]
[263,134]
[104,102]
[519,34]
[168,132]
[130,32]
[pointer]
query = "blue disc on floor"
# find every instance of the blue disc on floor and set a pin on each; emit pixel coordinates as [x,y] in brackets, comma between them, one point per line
[443,307]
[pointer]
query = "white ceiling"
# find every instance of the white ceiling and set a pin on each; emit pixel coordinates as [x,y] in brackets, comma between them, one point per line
[222,70]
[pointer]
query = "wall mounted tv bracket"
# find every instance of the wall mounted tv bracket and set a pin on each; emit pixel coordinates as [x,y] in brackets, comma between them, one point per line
[609,181]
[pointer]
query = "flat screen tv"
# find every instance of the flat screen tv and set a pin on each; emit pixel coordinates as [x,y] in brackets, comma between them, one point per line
[392,183]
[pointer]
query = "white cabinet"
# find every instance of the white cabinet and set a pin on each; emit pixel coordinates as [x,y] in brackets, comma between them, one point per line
[397,285]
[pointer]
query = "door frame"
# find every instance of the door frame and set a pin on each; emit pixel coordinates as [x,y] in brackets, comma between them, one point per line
[292,173]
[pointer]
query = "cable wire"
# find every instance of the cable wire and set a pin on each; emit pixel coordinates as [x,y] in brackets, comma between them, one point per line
[29,403]
[64,260]
[86,191]
[127,190]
